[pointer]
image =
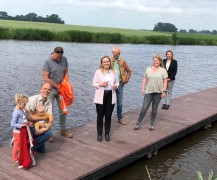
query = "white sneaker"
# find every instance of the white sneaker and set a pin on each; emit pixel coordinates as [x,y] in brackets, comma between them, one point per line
[151,127]
[137,126]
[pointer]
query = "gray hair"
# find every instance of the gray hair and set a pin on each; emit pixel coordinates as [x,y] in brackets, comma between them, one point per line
[116,47]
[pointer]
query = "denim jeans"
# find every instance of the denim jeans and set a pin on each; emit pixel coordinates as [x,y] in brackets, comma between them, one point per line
[40,140]
[167,98]
[62,117]
[153,98]
[119,94]
[106,110]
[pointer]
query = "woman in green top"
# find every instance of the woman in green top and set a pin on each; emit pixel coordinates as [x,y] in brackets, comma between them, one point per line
[153,88]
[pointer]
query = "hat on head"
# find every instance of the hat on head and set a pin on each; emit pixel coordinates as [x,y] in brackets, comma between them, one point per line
[58,49]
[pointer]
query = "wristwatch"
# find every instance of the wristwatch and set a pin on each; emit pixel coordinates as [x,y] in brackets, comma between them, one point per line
[165,91]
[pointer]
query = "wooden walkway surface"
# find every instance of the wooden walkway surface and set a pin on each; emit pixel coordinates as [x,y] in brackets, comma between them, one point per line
[82,157]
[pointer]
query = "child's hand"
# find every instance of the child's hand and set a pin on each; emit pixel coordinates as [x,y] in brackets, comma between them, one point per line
[23,125]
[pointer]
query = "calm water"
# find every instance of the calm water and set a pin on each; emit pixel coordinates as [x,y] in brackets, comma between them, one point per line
[21,63]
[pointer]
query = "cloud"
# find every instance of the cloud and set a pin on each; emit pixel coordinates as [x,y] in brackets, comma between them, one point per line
[137,6]
[186,14]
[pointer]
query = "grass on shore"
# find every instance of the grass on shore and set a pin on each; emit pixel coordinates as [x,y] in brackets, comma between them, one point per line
[25,30]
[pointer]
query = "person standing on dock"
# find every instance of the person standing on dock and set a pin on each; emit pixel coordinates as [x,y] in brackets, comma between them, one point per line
[106,82]
[153,88]
[55,68]
[124,73]
[171,66]
[17,122]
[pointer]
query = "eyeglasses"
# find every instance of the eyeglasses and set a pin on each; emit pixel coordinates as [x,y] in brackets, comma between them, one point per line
[59,52]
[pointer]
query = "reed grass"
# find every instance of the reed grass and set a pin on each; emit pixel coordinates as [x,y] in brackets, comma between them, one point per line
[210,177]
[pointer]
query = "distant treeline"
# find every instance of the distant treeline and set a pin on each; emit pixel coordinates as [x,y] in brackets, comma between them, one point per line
[101,37]
[53,18]
[168,27]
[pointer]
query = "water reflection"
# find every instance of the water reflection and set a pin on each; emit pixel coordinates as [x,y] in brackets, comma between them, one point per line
[177,161]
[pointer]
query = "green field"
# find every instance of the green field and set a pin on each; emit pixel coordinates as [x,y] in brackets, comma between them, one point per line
[65,27]
[24,30]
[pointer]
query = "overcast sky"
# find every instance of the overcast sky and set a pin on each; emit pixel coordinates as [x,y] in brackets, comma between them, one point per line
[131,14]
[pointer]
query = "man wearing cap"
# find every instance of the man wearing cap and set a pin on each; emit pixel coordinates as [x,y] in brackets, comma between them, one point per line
[54,70]
[124,73]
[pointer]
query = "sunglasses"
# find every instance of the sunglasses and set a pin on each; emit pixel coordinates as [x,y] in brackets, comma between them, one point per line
[59,52]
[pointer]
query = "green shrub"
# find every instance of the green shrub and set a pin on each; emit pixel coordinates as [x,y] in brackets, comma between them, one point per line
[32,34]
[159,40]
[79,36]
[3,32]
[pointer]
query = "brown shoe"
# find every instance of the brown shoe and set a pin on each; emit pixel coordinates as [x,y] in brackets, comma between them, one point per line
[51,140]
[122,121]
[66,133]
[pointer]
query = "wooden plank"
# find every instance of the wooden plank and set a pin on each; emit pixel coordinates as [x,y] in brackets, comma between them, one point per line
[6,163]
[84,157]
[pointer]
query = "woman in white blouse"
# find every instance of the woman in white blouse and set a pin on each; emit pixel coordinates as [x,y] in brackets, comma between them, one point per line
[105,81]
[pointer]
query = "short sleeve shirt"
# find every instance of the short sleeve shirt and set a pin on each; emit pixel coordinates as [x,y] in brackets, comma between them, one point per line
[154,82]
[117,68]
[36,100]
[56,69]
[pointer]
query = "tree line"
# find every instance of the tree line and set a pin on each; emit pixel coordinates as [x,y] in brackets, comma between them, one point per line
[167,27]
[53,18]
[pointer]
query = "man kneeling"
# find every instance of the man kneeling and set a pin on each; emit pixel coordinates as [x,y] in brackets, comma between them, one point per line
[44,133]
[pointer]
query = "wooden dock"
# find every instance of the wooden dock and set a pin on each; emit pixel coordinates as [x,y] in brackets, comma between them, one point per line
[82,157]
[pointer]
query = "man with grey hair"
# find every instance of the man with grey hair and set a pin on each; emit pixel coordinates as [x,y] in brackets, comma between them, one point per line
[124,73]
[55,68]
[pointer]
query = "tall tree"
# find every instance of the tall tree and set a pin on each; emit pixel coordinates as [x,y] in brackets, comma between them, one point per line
[165,27]
[54,18]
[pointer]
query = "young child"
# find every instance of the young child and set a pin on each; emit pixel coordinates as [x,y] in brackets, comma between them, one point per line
[40,111]
[17,123]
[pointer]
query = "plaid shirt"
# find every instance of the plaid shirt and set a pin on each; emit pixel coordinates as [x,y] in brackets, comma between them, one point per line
[36,100]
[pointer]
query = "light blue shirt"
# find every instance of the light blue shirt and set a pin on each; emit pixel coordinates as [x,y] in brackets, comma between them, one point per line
[17,118]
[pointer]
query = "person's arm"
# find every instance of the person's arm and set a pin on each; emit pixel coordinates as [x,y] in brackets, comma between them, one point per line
[66,73]
[15,117]
[127,69]
[164,87]
[46,78]
[116,83]
[143,85]
[50,120]
[35,117]
[96,82]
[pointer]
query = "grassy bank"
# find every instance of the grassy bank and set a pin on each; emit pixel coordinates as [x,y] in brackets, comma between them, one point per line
[22,30]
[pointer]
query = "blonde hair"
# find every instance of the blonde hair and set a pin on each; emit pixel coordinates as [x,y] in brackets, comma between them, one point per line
[18,97]
[159,57]
[110,67]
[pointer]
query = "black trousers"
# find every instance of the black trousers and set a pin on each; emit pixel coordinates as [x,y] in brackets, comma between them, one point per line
[106,110]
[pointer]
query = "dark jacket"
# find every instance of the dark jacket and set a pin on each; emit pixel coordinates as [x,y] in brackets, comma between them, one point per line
[172,68]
